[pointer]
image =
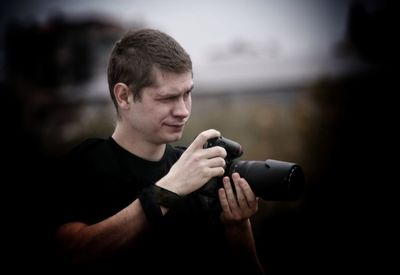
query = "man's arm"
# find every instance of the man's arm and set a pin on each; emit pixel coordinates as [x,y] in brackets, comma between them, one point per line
[236,212]
[82,243]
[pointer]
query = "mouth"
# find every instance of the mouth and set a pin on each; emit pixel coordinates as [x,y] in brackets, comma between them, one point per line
[177,126]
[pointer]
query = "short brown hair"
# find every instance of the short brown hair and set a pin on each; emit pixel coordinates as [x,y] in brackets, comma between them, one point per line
[134,57]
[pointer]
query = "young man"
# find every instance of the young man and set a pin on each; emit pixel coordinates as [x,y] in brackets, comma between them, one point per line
[132,202]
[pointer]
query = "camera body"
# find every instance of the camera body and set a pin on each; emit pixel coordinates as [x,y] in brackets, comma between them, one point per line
[269,179]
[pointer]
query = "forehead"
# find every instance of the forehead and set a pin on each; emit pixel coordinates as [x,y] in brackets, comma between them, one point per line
[166,82]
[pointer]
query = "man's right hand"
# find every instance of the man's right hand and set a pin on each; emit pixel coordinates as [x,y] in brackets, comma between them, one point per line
[196,166]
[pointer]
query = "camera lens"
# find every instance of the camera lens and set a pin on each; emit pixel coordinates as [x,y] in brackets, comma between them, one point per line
[271,179]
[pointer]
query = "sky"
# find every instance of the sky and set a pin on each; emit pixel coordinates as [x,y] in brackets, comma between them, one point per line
[296,25]
[238,40]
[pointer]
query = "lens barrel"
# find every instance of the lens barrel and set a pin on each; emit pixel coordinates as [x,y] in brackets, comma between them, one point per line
[271,179]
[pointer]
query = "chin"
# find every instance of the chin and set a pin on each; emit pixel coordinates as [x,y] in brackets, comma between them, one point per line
[175,137]
[171,134]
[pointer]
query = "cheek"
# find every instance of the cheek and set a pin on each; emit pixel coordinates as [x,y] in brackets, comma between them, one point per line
[159,112]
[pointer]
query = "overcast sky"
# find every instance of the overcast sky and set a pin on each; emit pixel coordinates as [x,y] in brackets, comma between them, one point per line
[216,32]
[296,26]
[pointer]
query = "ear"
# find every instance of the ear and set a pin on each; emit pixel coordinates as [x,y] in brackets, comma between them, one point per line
[122,95]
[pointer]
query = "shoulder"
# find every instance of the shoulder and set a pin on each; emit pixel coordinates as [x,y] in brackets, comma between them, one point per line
[90,153]
[88,145]
[90,148]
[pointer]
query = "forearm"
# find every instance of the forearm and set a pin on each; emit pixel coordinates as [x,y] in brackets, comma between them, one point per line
[81,243]
[240,238]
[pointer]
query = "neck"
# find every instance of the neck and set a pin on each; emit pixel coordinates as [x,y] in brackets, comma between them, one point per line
[138,145]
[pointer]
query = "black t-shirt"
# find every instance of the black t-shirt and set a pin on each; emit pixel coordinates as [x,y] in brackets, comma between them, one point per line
[101,178]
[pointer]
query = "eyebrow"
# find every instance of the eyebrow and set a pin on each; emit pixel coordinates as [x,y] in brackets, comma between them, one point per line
[174,92]
[190,88]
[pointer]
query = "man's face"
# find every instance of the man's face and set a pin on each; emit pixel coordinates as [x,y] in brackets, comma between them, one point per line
[161,113]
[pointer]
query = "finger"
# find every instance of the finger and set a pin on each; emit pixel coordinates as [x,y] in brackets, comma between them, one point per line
[241,198]
[231,197]
[216,162]
[223,200]
[202,138]
[249,195]
[216,151]
[216,172]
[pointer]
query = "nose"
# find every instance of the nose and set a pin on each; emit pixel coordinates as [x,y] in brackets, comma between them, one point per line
[182,108]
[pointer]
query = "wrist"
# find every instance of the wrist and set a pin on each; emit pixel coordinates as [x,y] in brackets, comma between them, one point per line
[156,201]
[170,185]
[164,197]
[240,226]
[151,208]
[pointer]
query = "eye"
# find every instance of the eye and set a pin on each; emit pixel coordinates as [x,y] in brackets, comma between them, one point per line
[189,91]
[167,98]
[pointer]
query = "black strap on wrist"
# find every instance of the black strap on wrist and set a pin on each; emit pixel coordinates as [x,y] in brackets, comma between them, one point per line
[150,208]
[152,197]
[165,197]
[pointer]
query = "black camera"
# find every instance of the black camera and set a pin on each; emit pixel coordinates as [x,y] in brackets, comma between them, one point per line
[269,179]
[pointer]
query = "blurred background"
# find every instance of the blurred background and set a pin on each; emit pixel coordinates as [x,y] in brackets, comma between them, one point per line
[306,81]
